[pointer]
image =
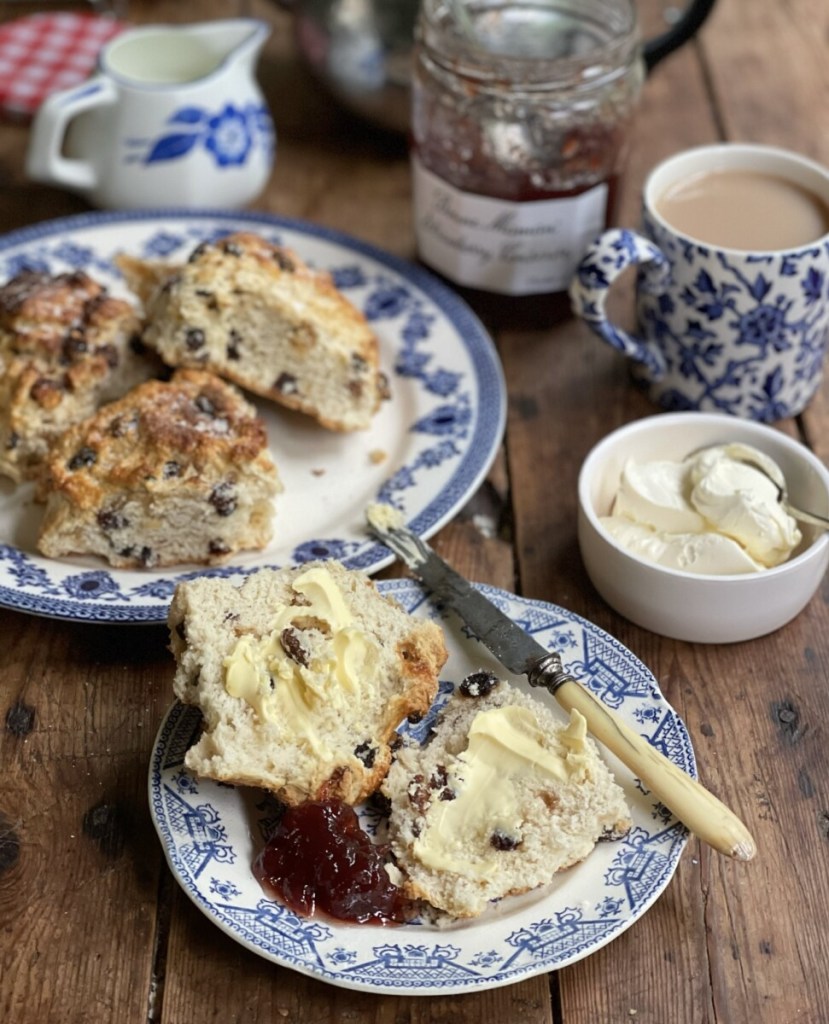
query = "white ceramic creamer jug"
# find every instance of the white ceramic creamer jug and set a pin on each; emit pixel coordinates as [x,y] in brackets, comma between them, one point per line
[173,117]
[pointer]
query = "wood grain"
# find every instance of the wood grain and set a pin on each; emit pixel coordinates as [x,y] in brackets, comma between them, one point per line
[80,872]
[94,929]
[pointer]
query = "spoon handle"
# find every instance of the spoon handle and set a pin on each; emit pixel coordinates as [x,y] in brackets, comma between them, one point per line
[807,517]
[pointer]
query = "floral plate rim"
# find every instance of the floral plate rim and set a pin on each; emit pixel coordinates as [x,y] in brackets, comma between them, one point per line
[53,589]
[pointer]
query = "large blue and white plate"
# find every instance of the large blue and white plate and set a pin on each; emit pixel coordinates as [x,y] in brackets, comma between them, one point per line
[426,452]
[212,833]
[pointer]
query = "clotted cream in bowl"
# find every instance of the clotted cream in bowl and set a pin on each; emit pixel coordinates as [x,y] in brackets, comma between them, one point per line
[692,544]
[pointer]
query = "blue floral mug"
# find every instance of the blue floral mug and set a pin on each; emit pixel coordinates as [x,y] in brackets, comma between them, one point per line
[742,331]
[173,117]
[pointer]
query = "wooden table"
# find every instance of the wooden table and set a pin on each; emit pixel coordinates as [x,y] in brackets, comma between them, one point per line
[92,925]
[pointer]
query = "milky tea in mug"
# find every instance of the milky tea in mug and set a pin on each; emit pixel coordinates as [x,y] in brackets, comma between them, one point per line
[744,209]
[732,286]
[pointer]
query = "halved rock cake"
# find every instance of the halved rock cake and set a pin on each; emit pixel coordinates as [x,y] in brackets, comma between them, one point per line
[174,472]
[502,797]
[66,347]
[257,315]
[302,675]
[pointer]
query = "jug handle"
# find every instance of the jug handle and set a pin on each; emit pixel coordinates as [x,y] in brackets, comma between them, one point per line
[686,26]
[44,160]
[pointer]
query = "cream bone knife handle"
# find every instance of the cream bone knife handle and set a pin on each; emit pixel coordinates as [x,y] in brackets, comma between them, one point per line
[696,807]
[699,810]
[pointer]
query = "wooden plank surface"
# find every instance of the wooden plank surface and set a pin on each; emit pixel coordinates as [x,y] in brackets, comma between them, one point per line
[79,860]
[92,927]
[677,970]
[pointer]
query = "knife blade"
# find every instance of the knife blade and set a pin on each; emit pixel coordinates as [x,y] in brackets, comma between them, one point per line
[695,806]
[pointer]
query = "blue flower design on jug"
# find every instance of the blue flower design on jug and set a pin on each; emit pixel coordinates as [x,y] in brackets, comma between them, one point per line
[229,135]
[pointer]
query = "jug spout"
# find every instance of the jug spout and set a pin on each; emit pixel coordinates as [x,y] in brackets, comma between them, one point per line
[232,40]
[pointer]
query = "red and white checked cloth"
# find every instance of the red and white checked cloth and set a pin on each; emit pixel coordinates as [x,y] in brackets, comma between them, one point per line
[43,53]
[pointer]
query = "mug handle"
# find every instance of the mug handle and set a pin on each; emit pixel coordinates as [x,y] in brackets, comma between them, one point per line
[613,252]
[44,160]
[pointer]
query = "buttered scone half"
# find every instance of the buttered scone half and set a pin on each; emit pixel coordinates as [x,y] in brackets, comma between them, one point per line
[176,471]
[66,347]
[302,675]
[503,796]
[259,316]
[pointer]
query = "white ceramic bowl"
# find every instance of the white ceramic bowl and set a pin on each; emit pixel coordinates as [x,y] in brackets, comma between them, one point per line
[684,605]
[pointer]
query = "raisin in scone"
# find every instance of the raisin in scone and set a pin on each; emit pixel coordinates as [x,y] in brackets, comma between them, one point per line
[502,796]
[302,675]
[176,471]
[66,347]
[257,315]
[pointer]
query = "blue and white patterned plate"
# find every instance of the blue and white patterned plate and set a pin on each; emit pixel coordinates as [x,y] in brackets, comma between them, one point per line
[426,452]
[211,834]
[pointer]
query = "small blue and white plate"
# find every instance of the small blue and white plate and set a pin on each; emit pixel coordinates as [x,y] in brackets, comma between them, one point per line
[212,833]
[426,453]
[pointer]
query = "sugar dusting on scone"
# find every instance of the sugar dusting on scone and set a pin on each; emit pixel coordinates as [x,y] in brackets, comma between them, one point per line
[174,472]
[302,676]
[256,314]
[66,347]
[502,797]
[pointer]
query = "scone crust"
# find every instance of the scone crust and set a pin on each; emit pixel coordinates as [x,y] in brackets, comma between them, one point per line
[192,443]
[66,347]
[206,619]
[256,314]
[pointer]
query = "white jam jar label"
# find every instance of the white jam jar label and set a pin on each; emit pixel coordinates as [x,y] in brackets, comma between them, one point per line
[525,248]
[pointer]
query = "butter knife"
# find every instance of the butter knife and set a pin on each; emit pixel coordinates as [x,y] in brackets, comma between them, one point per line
[697,808]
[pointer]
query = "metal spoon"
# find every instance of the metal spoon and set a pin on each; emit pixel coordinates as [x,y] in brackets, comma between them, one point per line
[768,467]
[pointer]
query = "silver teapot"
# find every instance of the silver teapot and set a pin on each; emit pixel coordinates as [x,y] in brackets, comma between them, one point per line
[361,50]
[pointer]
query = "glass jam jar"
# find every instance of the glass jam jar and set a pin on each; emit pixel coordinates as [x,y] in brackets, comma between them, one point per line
[519,131]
